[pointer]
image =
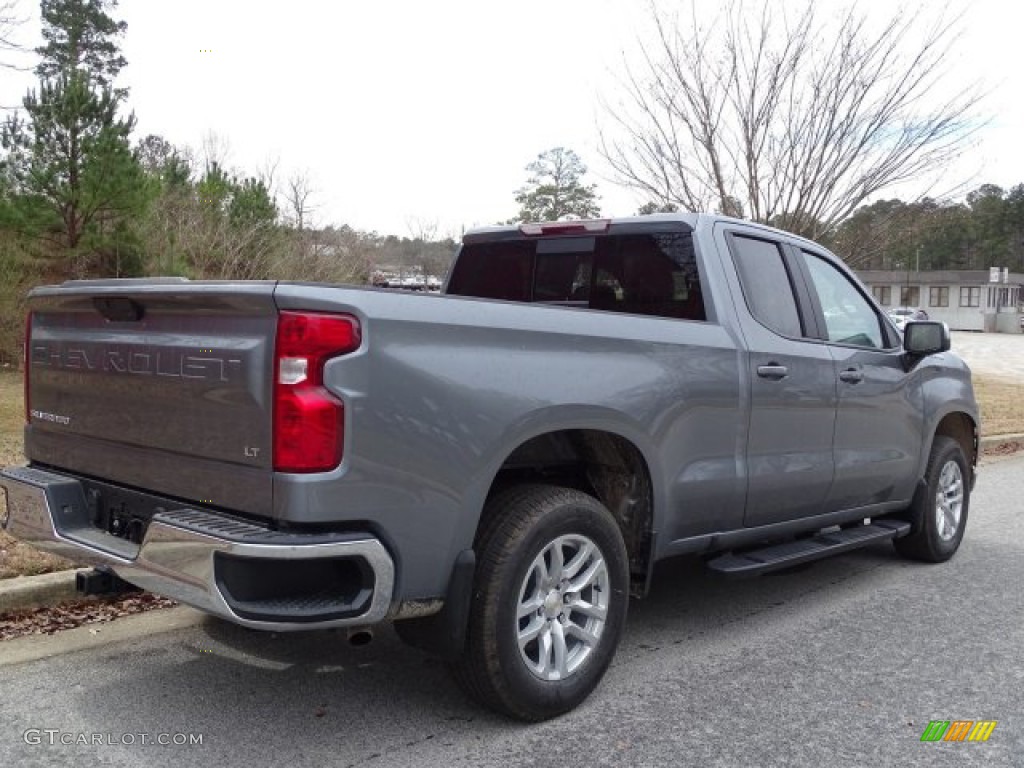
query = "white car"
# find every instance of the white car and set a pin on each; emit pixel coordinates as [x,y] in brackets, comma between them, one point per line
[902,315]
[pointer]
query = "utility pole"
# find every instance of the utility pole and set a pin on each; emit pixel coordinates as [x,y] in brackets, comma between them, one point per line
[905,297]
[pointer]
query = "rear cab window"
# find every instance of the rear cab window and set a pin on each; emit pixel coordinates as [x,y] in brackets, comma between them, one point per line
[652,273]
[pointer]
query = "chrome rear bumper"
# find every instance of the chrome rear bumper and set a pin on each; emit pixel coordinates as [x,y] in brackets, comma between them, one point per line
[207,559]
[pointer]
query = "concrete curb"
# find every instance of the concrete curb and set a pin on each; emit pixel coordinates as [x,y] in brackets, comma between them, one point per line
[35,591]
[20,650]
[987,441]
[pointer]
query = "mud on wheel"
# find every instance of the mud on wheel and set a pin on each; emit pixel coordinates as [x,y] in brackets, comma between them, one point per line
[549,602]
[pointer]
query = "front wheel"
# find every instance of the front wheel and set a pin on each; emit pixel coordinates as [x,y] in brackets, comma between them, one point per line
[939,510]
[549,602]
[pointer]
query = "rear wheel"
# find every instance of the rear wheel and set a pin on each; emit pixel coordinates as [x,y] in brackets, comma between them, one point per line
[939,510]
[549,602]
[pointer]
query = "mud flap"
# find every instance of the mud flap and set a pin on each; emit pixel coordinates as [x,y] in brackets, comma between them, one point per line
[444,633]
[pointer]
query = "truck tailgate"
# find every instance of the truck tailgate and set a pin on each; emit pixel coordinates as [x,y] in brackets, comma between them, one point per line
[160,385]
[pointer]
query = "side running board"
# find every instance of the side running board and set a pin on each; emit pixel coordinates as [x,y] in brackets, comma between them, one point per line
[778,556]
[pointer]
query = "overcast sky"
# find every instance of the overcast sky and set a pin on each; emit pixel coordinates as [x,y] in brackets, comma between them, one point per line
[405,111]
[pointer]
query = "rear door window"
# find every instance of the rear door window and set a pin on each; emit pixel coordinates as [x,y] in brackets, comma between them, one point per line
[766,284]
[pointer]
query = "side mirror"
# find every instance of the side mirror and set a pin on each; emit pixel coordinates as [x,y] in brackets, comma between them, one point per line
[925,337]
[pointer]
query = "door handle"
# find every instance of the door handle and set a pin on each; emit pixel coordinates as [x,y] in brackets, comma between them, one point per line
[851,376]
[774,372]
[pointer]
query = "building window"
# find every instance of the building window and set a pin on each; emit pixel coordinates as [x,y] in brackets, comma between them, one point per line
[910,296]
[938,296]
[882,294]
[970,297]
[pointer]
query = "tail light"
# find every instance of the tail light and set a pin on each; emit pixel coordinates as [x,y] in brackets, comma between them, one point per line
[27,364]
[309,421]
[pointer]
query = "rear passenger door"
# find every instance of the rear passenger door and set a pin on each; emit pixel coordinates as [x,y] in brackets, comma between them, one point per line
[880,408]
[789,462]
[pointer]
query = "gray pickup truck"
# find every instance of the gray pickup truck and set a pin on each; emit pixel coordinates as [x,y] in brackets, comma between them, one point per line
[497,469]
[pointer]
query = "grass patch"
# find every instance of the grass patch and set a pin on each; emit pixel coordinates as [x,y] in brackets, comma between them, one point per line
[12,417]
[1001,401]
[17,559]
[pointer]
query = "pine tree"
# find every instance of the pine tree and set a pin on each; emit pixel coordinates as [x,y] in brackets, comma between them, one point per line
[555,190]
[79,35]
[71,154]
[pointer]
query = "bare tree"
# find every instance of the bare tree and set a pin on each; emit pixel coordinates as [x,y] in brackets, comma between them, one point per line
[9,22]
[787,119]
[267,173]
[314,253]
[424,230]
[216,150]
[183,235]
[338,255]
[432,252]
[297,195]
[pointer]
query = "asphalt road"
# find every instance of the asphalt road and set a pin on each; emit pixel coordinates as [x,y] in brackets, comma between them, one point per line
[840,664]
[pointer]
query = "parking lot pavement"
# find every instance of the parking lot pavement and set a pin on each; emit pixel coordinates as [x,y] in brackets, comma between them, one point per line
[994,354]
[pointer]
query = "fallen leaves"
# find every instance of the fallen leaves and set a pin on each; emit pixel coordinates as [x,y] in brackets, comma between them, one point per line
[1004,448]
[56,618]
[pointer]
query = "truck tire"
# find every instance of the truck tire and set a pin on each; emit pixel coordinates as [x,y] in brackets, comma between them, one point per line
[549,602]
[939,509]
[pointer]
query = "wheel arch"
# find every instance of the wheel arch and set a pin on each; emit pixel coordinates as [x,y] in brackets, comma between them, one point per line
[552,456]
[960,426]
[602,462]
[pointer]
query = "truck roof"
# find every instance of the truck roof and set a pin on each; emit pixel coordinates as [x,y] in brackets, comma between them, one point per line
[690,219]
[687,218]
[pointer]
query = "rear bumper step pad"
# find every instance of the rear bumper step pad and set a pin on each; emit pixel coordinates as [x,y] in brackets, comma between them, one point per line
[241,571]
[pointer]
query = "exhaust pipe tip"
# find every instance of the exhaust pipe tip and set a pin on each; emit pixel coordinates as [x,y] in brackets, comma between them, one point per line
[360,636]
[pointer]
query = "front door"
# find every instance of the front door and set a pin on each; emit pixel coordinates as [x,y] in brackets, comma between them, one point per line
[880,408]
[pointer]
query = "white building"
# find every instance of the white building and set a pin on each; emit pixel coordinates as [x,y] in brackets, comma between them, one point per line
[966,300]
